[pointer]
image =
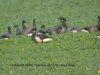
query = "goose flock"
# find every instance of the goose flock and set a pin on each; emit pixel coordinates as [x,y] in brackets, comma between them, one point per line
[43,35]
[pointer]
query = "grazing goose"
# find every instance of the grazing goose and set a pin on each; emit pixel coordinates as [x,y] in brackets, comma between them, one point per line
[93,28]
[7,35]
[22,31]
[40,38]
[33,28]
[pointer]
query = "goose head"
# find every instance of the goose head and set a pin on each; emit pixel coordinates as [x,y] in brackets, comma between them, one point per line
[62,19]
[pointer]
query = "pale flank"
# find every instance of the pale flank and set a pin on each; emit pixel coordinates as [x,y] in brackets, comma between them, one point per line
[47,40]
[30,34]
[6,38]
[98,36]
[38,39]
[74,31]
[83,30]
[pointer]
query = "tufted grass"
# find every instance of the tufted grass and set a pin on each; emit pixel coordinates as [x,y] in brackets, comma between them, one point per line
[81,50]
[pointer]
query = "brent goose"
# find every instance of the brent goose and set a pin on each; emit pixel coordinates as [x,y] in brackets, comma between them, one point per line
[59,28]
[42,30]
[63,27]
[93,28]
[54,30]
[40,38]
[22,31]
[7,35]
[33,28]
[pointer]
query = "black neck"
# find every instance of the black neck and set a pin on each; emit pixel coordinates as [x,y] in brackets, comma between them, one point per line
[9,30]
[34,22]
[63,23]
[98,21]
[24,27]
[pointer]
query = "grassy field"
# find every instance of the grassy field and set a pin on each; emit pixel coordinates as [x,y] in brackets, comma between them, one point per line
[81,50]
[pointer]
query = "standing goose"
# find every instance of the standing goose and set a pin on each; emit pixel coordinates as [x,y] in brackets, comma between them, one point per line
[93,28]
[40,38]
[7,35]
[22,31]
[33,28]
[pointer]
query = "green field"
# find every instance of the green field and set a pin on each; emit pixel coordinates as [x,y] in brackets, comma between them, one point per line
[81,50]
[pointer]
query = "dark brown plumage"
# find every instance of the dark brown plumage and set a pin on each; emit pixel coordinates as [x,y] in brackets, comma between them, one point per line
[40,38]
[93,28]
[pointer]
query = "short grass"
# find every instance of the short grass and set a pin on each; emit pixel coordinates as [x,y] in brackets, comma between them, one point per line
[81,50]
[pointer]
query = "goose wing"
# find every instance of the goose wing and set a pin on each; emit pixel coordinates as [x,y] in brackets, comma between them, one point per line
[6,35]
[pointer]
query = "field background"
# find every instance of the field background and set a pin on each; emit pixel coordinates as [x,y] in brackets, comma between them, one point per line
[81,49]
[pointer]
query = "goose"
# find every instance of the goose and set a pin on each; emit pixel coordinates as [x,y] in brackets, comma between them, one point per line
[7,35]
[63,27]
[22,31]
[40,38]
[93,28]
[42,30]
[73,29]
[59,28]
[33,28]
[54,30]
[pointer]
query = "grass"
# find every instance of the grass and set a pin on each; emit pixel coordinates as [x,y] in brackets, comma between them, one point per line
[81,49]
